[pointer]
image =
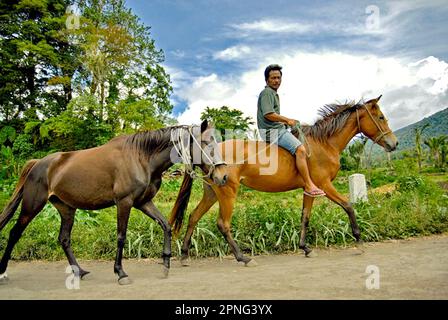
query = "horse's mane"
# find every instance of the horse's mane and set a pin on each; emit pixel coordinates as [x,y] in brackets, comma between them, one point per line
[333,119]
[151,141]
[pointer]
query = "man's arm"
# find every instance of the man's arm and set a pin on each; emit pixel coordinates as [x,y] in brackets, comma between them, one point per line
[275,117]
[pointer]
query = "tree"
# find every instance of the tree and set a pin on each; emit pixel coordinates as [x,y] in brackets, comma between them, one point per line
[418,144]
[435,145]
[230,121]
[443,153]
[356,151]
[121,63]
[33,54]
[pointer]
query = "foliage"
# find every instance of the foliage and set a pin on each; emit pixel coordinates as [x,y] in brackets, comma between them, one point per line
[230,123]
[356,150]
[73,88]
[418,148]
[436,147]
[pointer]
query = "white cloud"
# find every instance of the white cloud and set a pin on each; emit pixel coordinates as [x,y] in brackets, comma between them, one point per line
[273,26]
[410,91]
[232,53]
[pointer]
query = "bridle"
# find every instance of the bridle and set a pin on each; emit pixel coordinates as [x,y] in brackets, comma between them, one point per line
[183,150]
[381,134]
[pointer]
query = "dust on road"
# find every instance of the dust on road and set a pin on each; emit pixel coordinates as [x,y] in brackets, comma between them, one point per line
[408,269]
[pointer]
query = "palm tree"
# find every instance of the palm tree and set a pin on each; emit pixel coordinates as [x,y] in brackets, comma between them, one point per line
[435,145]
[418,144]
[356,151]
[444,152]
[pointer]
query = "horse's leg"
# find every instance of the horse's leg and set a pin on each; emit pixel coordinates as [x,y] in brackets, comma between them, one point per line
[67,219]
[227,196]
[151,211]
[32,203]
[336,197]
[123,210]
[208,199]
[306,215]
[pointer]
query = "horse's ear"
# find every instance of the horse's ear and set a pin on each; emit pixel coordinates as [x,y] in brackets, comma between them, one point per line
[204,125]
[374,101]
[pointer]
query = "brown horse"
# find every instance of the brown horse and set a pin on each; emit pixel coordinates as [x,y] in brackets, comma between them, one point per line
[326,139]
[126,172]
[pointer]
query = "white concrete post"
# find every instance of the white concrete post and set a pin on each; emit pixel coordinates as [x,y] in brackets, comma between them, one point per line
[358,187]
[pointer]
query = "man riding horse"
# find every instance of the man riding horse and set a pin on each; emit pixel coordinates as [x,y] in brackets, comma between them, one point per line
[273,126]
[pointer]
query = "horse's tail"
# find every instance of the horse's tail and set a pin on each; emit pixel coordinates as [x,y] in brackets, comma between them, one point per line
[16,198]
[177,214]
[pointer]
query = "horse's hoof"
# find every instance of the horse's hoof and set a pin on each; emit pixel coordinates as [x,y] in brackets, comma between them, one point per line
[251,263]
[4,278]
[360,248]
[311,254]
[185,262]
[124,281]
[85,275]
[166,272]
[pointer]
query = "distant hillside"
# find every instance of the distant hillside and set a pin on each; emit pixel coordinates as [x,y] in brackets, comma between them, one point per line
[438,125]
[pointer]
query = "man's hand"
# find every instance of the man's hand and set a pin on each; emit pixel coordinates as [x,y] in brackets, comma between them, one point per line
[291,122]
[275,117]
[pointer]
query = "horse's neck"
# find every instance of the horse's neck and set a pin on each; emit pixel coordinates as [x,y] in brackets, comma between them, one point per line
[161,161]
[340,139]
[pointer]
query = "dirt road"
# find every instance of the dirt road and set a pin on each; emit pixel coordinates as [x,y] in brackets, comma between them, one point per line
[408,269]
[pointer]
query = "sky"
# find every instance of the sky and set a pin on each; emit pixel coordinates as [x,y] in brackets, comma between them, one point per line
[331,52]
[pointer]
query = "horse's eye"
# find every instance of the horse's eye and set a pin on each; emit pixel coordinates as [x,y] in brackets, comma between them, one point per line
[381,117]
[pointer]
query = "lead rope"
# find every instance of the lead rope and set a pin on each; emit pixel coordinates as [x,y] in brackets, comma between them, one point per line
[184,153]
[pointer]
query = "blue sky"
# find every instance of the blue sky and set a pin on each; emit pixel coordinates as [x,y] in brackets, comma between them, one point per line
[216,51]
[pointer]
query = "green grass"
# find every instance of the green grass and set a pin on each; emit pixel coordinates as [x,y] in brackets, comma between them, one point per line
[262,222]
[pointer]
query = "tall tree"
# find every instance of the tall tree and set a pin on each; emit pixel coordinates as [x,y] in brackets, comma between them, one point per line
[31,57]
[121,63]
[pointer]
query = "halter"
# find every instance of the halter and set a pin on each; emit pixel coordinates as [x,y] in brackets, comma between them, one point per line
[382,133]
[184,152]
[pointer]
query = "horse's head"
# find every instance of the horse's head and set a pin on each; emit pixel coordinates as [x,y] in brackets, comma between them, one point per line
[197,146]
[373,124]
[211,161]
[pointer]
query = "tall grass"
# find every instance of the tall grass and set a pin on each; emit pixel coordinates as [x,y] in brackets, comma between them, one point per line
[262,223]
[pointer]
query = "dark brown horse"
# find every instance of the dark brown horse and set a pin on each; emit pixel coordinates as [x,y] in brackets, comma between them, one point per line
[126,172]
[326,139]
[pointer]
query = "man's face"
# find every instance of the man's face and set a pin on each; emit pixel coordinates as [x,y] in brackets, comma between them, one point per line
[274,80]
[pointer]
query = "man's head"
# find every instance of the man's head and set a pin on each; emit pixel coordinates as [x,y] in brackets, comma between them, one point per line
[273,76]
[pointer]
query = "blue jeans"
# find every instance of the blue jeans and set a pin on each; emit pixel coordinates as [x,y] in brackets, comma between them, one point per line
[287,141]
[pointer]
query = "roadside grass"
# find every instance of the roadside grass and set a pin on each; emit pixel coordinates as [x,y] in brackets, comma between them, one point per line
[262,222]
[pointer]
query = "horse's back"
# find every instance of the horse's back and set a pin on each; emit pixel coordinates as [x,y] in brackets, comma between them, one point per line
[260,165]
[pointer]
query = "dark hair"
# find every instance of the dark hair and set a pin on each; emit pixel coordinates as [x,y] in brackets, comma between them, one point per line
[269,68]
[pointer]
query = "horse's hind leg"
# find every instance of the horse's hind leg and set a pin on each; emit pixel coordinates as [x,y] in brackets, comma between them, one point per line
[33,202]
[151,211]
[208,199]
[67,218]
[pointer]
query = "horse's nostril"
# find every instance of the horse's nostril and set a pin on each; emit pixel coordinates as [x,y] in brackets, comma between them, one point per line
[224,179]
